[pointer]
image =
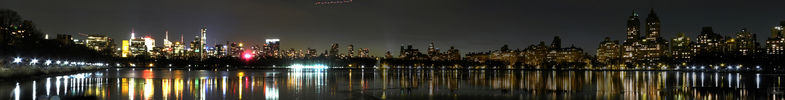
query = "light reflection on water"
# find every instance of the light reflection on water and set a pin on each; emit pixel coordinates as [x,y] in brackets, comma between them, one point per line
[185,84]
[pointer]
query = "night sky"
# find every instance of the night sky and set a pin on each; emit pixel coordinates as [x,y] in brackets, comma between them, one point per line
[382,25]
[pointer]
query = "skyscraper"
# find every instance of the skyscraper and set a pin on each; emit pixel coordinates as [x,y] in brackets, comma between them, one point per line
[203,42]
[609,52]
[776,43]
[633,26]
[167,43]
[652,25]
[99,42]
[653,46]
[630,45]
[271,47]
[681,48]
[334,50]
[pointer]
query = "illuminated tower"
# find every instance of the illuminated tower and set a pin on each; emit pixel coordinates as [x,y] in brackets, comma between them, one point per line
[652,25]
[203,42]
[273,46]
[167,43]
[631,44]
[132,33]
[633,26]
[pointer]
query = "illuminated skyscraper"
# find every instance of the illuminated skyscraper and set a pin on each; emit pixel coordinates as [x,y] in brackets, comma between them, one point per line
[272,47]
[609,52]
[149,44]
[167,43]
[202,43]
[631,44]
[776,43]
[125,49]
[681,48]
[652,25]
[99,42]
[653,47]
[137,47]
[744,43]
[708,42]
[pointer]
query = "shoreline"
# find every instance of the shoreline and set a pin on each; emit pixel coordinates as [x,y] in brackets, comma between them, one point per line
[27,72]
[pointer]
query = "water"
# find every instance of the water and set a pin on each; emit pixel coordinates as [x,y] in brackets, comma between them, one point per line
[219,84]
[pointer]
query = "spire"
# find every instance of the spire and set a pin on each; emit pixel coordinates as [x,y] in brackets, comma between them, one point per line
[167,35]
[132,33]
[181,38]
[635,12]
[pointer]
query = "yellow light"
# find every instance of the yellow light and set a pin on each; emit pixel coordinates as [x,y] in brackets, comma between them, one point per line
[151,65]
[125,48]
[241,44]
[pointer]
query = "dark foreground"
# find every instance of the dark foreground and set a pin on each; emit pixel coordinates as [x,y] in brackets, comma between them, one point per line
[307,84]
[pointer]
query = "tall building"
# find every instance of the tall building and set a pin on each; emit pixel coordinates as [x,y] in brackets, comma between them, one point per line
[99,42]
[364,53]
[220,50]
[178,49]
[432,50]
[535,55]
[197,49]
[647,50]
[681,48]
[744,43]
[631,44]
[202,43]
[137,47]
[708,42]
[125,49]
[272,47]
[334,50]
[609,52]
[453,54]
[652,25]
[149,44]
[775,43]
[167,43]
[653,46]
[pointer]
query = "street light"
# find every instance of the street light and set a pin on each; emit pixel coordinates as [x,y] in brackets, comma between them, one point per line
[48,62]
[17,60]
[34,61]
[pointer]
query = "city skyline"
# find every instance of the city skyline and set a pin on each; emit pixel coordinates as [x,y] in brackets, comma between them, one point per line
[382,31]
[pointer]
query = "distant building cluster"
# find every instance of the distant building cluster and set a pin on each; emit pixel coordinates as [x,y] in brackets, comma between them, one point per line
[433,53]
[535,56]
[708,48]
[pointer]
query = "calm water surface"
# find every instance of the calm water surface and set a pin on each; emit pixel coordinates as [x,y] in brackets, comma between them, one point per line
[231,84]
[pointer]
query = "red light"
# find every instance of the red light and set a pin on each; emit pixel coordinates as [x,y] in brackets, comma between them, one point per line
[247,56]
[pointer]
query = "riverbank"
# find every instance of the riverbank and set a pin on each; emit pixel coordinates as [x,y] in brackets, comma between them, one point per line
[27,72]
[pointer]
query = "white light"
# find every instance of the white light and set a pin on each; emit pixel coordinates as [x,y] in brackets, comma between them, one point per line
[34,61]
[315,66]
[271,40]
[48,62]
[17,60]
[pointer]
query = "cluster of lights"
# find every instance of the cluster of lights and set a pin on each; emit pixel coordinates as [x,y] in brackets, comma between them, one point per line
[35,61]
[314,66]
